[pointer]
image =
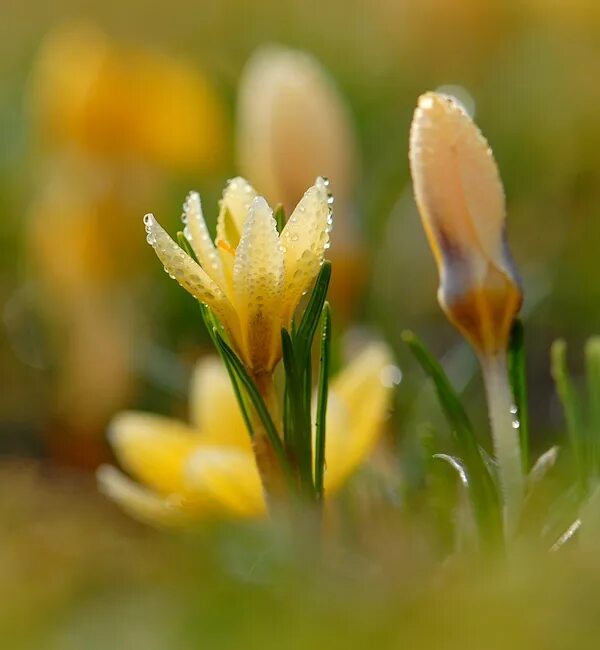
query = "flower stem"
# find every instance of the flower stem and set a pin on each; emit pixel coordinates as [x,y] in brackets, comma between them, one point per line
[269,466]
[505,435]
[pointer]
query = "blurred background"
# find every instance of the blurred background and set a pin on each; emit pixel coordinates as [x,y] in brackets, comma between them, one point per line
[111,110]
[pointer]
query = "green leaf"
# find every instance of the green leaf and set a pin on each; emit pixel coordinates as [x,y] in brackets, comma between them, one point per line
[310,319]
[483,491]
[212,325]
[592,366]
[187,247]
[572,410]
[322,395]
[279,216]
[518,380]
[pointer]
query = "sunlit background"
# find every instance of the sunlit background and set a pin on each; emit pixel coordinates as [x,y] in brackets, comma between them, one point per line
[109,110]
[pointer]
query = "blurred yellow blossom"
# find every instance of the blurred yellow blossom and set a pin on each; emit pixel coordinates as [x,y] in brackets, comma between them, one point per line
[109,123]
[207,468]
[292,125]
[252,277]
[461,201]
[108,100]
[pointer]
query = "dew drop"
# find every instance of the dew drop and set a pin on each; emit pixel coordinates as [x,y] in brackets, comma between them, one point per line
[390,376]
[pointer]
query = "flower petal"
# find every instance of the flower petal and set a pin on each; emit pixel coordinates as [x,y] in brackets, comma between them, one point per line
[181,267]
[258,285]
[214,408]
[234,206]
[230,477]
[292,125]
[141,503]
[456,181]
[461,201]
[153,448]
[304,240]
[358,407]
[197,234]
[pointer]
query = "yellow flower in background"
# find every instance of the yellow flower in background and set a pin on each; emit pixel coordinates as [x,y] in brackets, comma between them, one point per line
[252,277]
[105,99]
[190,472]
[461,200]
[292,125]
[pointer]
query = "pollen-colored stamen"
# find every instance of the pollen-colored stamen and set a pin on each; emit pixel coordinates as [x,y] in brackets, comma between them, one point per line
[225,246]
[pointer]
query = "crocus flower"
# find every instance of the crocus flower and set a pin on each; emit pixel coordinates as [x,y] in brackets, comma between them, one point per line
[182,473]
[112,101]
[251,277]
[461,201]
[292,124]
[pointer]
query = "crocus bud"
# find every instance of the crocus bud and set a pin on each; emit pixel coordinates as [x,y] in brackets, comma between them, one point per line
[292,127]
[461,200]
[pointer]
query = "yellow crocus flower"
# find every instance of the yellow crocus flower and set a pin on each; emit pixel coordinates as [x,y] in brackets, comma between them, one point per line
[251,277]
[112,101]
[188,472]
[461,200]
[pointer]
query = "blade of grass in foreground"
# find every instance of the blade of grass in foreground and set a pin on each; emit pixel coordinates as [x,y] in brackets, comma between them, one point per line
[322,395]
[518,381]
[572,409]
[482,488]
[592,363]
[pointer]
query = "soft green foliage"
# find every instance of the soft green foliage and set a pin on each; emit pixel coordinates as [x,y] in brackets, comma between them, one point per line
[297,419]
[518,380]
[482,488]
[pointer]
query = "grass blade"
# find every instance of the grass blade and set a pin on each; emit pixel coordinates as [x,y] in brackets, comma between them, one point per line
[592,366]
[572,410]
[310,319]
[256,400]
[482,488]
[518,381]
[322,395]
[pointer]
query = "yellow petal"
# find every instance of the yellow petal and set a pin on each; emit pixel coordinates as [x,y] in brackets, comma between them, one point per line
[214,408]
[141,503]
[230,477]
[197,234]
[181,267]
[153,448]
[234,206]
[360,399]
[304,240]
[258,284]
[461,201]
[456,181]
[293,125]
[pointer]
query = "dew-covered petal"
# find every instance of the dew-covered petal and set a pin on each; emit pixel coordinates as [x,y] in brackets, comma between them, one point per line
[360,398]
[196,232]
[461,201]
[457,184]
[231,478]
[181,267]
[214,408]
[258,284]
[238,196]
[153,448]
[304,240]
[144,504]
